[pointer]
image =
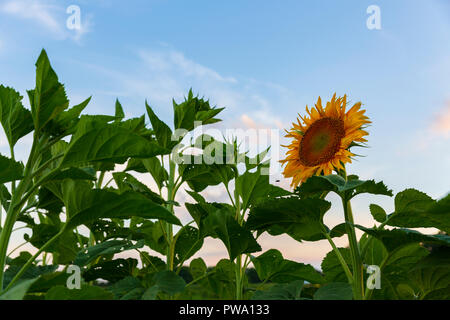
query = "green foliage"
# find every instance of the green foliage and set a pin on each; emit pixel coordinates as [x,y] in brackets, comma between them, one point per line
[271,266]
[86,292]
[299,218]
[283,291]
[69,181]
[334,291]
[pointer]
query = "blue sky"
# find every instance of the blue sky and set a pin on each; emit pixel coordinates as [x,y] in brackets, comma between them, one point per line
[263,61]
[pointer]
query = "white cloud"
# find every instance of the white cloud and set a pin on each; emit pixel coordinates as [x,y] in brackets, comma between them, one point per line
[47,14]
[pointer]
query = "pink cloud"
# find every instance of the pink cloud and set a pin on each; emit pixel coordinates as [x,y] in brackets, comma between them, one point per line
[441,123]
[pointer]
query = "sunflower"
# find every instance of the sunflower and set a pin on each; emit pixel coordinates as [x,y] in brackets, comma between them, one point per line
[321,141]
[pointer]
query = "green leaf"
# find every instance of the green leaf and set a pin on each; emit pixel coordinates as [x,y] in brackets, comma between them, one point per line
[193,109]
[85,205]
[222,280]
[393,239]
[158,172]
[65,123]
[10,170]
[127,182]
[169,282]
[284,291]
[119,114]
[33,272]
[109,142]
[15,119]
[252,187]
[334,291]
[432,274]
[197,268]
[377,213]
[272,266]
[332,267]
[49,98]
[199,175]
[86,256]
[122,289]
[86,292]
[112,271]
[5,197]
[189,241]
[220,223]
[162,131]
[415,209]
[317,185]
[372,187]
[18,291]
[196,196]
[71,173]
[299,218]
[151,232]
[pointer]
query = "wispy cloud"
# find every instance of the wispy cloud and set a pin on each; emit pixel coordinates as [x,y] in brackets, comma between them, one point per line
[49,15]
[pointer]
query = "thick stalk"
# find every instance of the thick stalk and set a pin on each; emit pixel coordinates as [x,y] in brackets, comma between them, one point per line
[14,210]
[238,267]
[339,256]
[358,286]
[169,230]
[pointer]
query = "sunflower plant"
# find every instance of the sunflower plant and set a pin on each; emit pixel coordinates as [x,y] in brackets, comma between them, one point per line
[79,193]
[316,162]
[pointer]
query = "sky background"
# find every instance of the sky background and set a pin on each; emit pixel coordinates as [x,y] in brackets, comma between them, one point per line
[264,61]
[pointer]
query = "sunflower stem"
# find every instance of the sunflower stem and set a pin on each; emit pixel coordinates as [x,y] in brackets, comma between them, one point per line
[358,286]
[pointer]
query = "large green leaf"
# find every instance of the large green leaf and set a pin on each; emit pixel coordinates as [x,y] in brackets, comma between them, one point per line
[15,119]
[393,239]
[10,170]
[85,205]
[432,274]
[49,98]
[252,187]
[65,123]
[415,209]
[189,241]
[126,181]
[158,172]
[332,267]
[18,291]
[221,223]
[197,268]
[112,271]
[299,218]
[169,282]
[152,232]
[199,175]
[89,254]
[272,266]
[317,185]
[110,142]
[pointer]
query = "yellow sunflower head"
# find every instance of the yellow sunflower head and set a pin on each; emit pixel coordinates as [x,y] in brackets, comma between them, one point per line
[321,141]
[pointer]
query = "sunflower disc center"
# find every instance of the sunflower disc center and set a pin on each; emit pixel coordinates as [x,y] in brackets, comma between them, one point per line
[321,141]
